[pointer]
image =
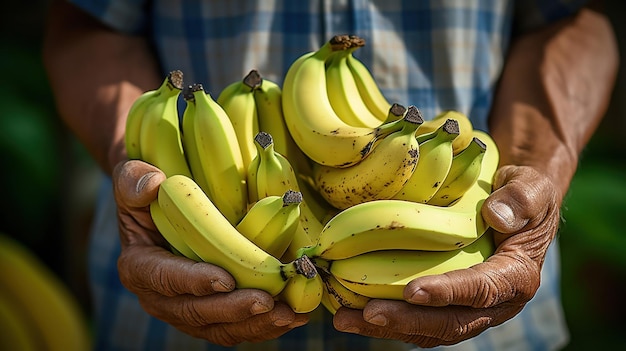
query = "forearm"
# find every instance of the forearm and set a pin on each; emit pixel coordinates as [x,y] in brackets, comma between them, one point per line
[553,93]
[95,74]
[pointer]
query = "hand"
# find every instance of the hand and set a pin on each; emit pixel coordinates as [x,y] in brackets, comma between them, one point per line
[449,308]
[199,299]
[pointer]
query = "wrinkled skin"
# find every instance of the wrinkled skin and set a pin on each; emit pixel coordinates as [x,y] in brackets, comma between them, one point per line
[199,299]
[449,308]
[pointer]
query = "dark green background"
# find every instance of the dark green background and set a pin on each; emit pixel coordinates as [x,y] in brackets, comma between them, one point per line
[49,182]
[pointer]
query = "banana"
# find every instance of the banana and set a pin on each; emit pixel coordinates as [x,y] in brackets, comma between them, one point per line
[464,171]
[271,222]
[160,138]
[465,128]
[217,165]
[269,172]
[369,90]
[380,175]
[343,93]
[398,224]
[336,295]
[396,112]
[384,274]
[310,118]
[137,111]
[303,294]
[268,100]
[16,331]
[170,234]
[237,99]
[215,240]
[53,317]
[433,165]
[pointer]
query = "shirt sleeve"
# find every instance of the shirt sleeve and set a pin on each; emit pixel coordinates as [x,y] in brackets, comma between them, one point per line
[533,14]
[127,16]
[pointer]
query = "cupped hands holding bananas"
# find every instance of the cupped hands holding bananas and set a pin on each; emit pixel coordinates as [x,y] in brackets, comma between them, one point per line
[411,199]
[213,308]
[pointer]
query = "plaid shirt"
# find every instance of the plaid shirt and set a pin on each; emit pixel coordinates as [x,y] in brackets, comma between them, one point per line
[436,55]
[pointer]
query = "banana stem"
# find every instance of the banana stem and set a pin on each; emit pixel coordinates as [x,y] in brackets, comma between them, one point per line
[305,266]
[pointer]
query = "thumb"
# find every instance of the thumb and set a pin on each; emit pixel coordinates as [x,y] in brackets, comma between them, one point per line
[521,197]
[136,183]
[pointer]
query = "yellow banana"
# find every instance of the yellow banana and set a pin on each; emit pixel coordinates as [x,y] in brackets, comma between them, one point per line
[396,112]
[303,294]
[368,88]
[17,332]
[268,99]
[237,99]
[271,222]
[137,111]
[336,295]
[433,165]
[190,142]
[343,93]
[270,173]
[464,171]
[380,175]
[398,224]
[311,120]
[217,165]
[384,274]
[160,138]
[170,234]
[215,240]
[465,128]
[54,318]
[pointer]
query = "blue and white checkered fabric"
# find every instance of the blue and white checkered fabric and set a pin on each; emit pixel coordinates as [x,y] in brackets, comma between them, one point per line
[437,55]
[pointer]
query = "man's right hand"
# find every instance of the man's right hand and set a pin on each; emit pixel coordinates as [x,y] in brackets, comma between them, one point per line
[197,298]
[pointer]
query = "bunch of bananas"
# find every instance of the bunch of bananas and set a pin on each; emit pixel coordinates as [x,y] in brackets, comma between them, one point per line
[321,192]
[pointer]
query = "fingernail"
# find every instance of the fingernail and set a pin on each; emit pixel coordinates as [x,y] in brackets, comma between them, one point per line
[503,211]
[420,296]
[379,320]
[143,181]
[281,322]
[219,286]
[258,308]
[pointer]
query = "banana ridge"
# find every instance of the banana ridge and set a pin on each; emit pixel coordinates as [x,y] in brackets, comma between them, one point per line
[343,93]
[368,88]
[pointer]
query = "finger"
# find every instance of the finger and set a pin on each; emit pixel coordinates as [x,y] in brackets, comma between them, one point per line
[507,276]
[200,311]
[260,327]
[521,200]
[147,268]
[136,183]
[422,325]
